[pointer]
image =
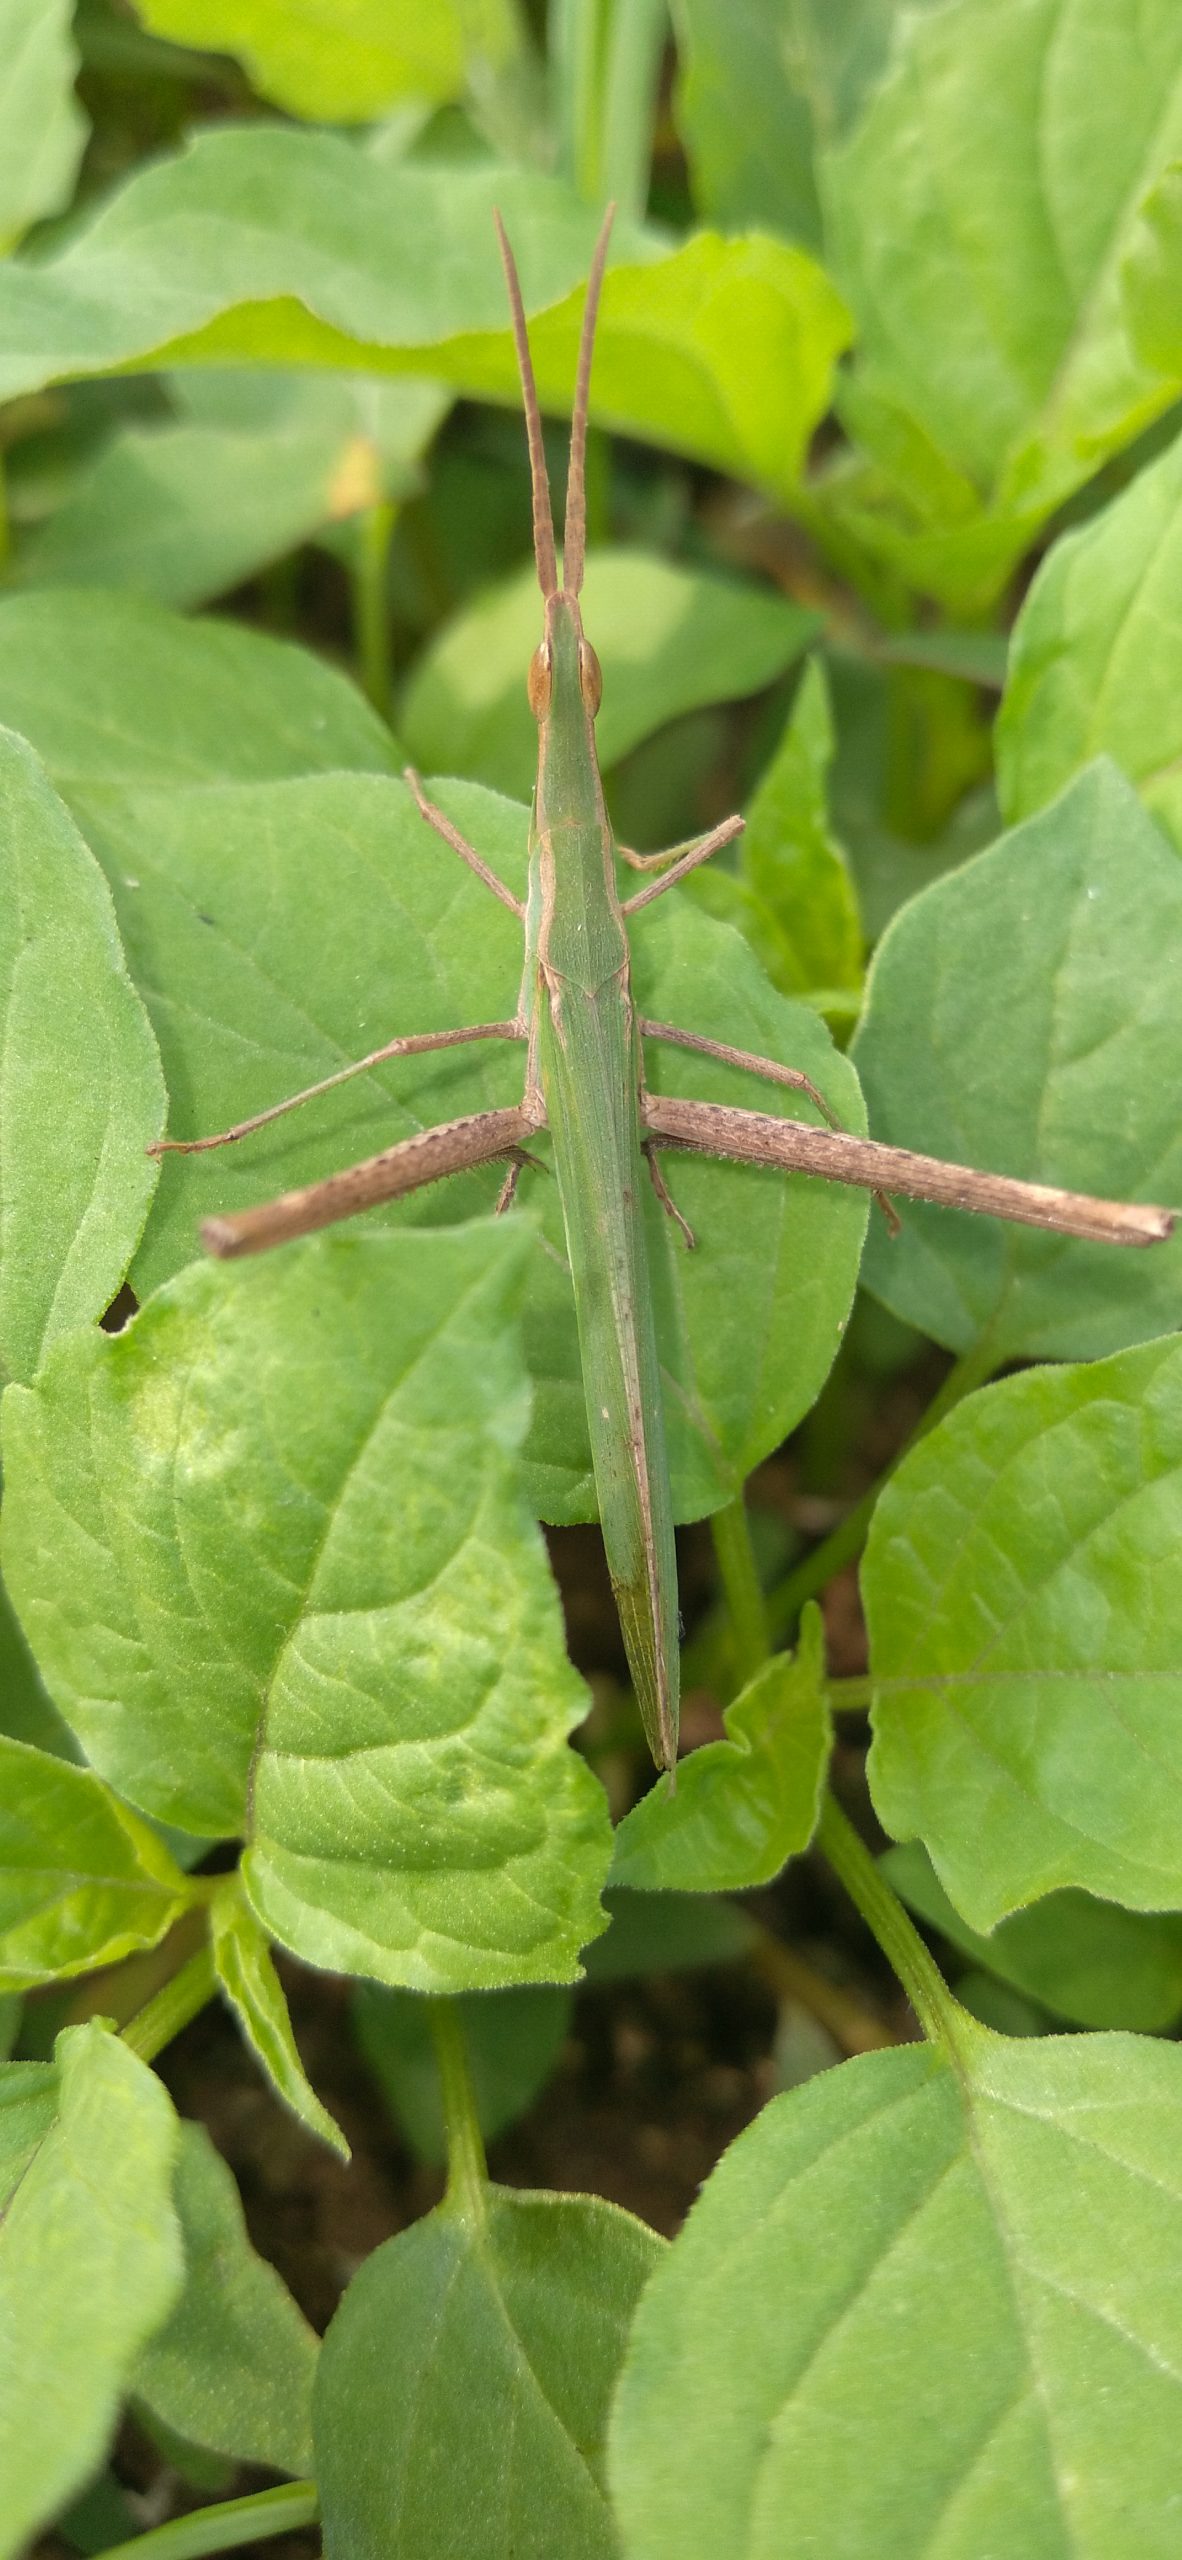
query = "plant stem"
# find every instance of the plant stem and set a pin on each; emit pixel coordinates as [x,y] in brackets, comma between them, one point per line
[731,1532]
[606,59]
[884,1914]
[467,2169]
[371,603]
[226,2526]
[166,2013]
[843,1543]
[853,1695]
[635,45]
[852,2025]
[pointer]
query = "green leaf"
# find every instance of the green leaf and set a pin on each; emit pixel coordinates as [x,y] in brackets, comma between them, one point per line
[1023,1016]
[484,2353]
[27,1714]
[744,118]
[114,690]
[743,1807]
[758,87]
[246,1972]
[512,2039]
[263,461]
[1026,1638]
[277,933]
[42,128]
[90,2264]
[269,1546]
[233,2366]
[1152,269]
[82,1880]
[1096,654]
[342,61]
[995,377]
[792,894]
[28,2104]
[668,639]
[80,1086]
[1084,1960]
[994,2246]
[280,247]
[185,513]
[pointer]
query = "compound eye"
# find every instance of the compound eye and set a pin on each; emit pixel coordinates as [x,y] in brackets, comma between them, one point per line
[539,679]
[590,677]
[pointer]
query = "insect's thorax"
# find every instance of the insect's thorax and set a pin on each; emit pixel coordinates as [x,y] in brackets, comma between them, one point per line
[574,905]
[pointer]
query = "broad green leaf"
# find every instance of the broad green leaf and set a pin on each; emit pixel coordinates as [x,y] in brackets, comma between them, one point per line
[279,932]
[743,1807]
[28,2104]
[233,2366]
[922,2309]
[1087,1961]
[112,689]
[744,120]
[513,2040]
[977,218]
[90,2264]
[907,787]
[791,892]
[80,1086]
[274,246]
[1025,1623]
[262,461]
[395,419]
[185,513]
[270,1549]
[462,2394]
[667,1933]
[1022,1016]
[82,1879]
[668,639]
[759,87]
[342,61]
[1096,654]
[1151,274]
[246,1972]
[42,128]
[27,1714]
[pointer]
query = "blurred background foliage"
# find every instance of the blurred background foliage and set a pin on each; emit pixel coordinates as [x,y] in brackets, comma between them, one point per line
[885,436]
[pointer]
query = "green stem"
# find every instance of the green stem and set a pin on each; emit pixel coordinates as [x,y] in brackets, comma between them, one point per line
[467,2169]
[371,603]
[785,1602]
[636,41]
[168,2011]
[884,1914]
[731,1532]
[226,2526]
[606,63]
[850,1696]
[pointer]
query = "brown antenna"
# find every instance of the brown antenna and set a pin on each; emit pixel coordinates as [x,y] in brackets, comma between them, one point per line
[544,554]
[574,529]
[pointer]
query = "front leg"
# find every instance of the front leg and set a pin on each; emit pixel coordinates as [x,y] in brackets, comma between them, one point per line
[680,858]
[442,824]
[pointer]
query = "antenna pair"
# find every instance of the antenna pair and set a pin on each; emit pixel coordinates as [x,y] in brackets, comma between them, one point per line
[574,531]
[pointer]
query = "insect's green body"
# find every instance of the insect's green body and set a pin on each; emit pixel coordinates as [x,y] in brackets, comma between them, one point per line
[585,1054]
[585,1082]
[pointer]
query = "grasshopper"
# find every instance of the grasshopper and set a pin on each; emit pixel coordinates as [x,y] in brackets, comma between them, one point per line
[585,1083]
